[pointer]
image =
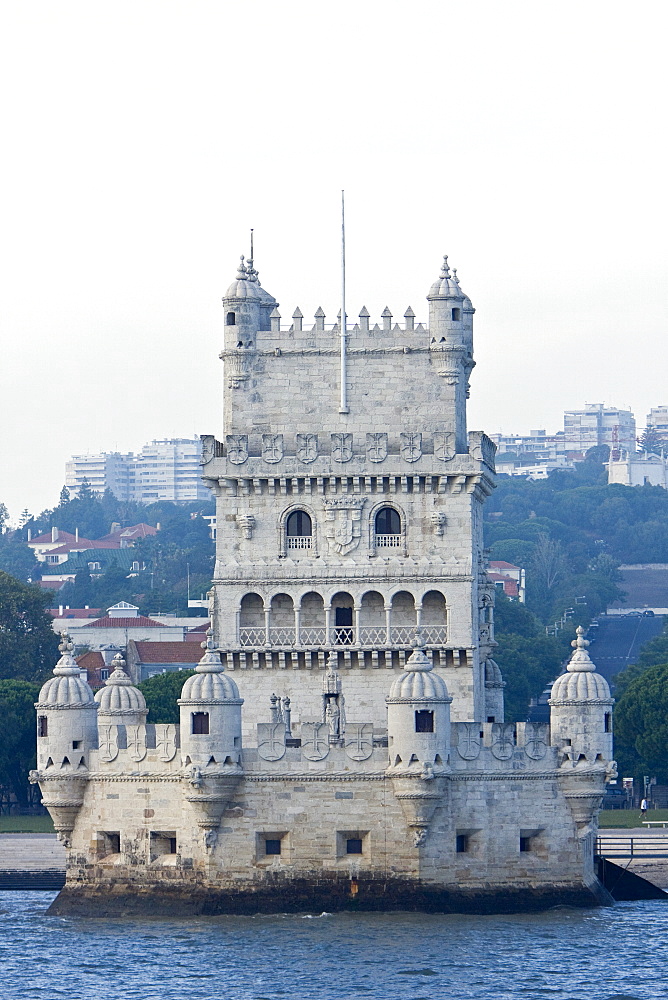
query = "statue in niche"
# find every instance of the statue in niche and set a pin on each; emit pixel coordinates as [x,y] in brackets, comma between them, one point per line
[333,704]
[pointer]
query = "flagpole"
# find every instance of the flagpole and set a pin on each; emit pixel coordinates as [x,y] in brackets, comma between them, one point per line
[343,326]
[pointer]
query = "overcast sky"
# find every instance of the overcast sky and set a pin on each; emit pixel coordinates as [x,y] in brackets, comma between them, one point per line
[141,141]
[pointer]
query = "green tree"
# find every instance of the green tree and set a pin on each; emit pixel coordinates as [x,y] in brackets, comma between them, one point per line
[161,693]
[28,644]
[64,496]
[17,746]
[641,725]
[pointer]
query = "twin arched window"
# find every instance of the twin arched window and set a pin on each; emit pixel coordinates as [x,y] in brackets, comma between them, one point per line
[387,532]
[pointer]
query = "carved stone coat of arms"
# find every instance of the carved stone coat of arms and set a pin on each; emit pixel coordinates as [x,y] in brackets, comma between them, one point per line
[272,447]
[342,447]
[376,447]
[411,446]
[343,523]
[307,447]
[237,448]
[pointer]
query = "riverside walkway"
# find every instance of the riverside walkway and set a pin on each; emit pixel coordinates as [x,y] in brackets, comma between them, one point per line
[31,861]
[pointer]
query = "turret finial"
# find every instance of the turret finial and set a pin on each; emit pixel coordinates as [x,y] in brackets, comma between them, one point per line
[445,270]
[580,642]
[208,642]
[242,271]
[580,659]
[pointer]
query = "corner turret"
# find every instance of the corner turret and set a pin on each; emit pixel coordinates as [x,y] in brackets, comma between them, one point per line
[451,343]
[66,733]
[418,728]
[120,703]
[581,709]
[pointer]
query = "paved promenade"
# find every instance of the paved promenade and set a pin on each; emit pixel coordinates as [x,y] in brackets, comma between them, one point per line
[31,861]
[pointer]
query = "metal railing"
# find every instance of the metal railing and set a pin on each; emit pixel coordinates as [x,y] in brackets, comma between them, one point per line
[632,847]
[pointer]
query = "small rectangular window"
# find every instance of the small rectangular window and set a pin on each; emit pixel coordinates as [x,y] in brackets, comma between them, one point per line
[424,721]
[525,844]
[162,843]
[456,314]
[272,846]
[200,723]
[608,720]
[462,843]
[42,725]
[76,744]
[354,845]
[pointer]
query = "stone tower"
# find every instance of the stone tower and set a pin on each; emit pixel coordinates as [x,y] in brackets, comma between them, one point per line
[346,539]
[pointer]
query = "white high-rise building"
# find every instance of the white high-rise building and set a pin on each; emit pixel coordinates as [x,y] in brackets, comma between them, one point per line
[167,469]
[598,424]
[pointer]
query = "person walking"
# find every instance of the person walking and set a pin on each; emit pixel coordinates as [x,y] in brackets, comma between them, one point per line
[644,806]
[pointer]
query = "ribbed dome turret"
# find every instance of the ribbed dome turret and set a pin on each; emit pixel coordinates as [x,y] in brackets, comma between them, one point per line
[119,695]
[245,285]
[447,285]
[418,682]
[209,683]
[67,688]
[580,682]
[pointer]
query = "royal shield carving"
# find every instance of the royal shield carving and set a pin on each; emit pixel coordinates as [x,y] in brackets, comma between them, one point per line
[208,448]
[444,445]
[315,740]
[271,740]
[237,448]
[535,746]
[108,743]
[342,447]
[468,746]
[165,741]
[359,740]
[272,448]
[343,523]
[411,446]
[376,447]
[136,736]
[307,447]
[503,746]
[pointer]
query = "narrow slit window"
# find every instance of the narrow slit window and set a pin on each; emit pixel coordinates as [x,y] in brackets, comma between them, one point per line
[462,843]
[231,319]
[42,725]
[607,722]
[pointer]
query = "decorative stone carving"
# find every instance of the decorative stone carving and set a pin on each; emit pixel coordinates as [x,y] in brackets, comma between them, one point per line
[271,740]
[504,745]
[343,523]
[165,741]
[307,448]
[444,445]
[237,448]
[247,524]
[208,448]
[438,519]
[450,375]
[359,740]
[376,447]
[468,746]
[411,446]
[315,740]
[136,737]
[272,448]
[342,447]
[108,736]
[535,746]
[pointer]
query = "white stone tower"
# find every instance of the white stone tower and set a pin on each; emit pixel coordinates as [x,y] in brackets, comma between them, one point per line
[346,539]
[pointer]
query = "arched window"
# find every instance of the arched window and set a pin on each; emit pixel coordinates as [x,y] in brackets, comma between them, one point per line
[387,529]
[299,530]
[231,319]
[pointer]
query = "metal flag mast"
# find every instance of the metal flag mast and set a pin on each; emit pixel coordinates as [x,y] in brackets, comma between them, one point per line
[343,326]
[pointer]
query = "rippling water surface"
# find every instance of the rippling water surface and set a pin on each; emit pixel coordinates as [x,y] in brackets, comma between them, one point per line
[618,953]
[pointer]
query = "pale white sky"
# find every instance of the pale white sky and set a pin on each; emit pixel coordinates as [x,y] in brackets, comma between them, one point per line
[143,138]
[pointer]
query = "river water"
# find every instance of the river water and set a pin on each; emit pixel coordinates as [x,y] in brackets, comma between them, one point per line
[616,953]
